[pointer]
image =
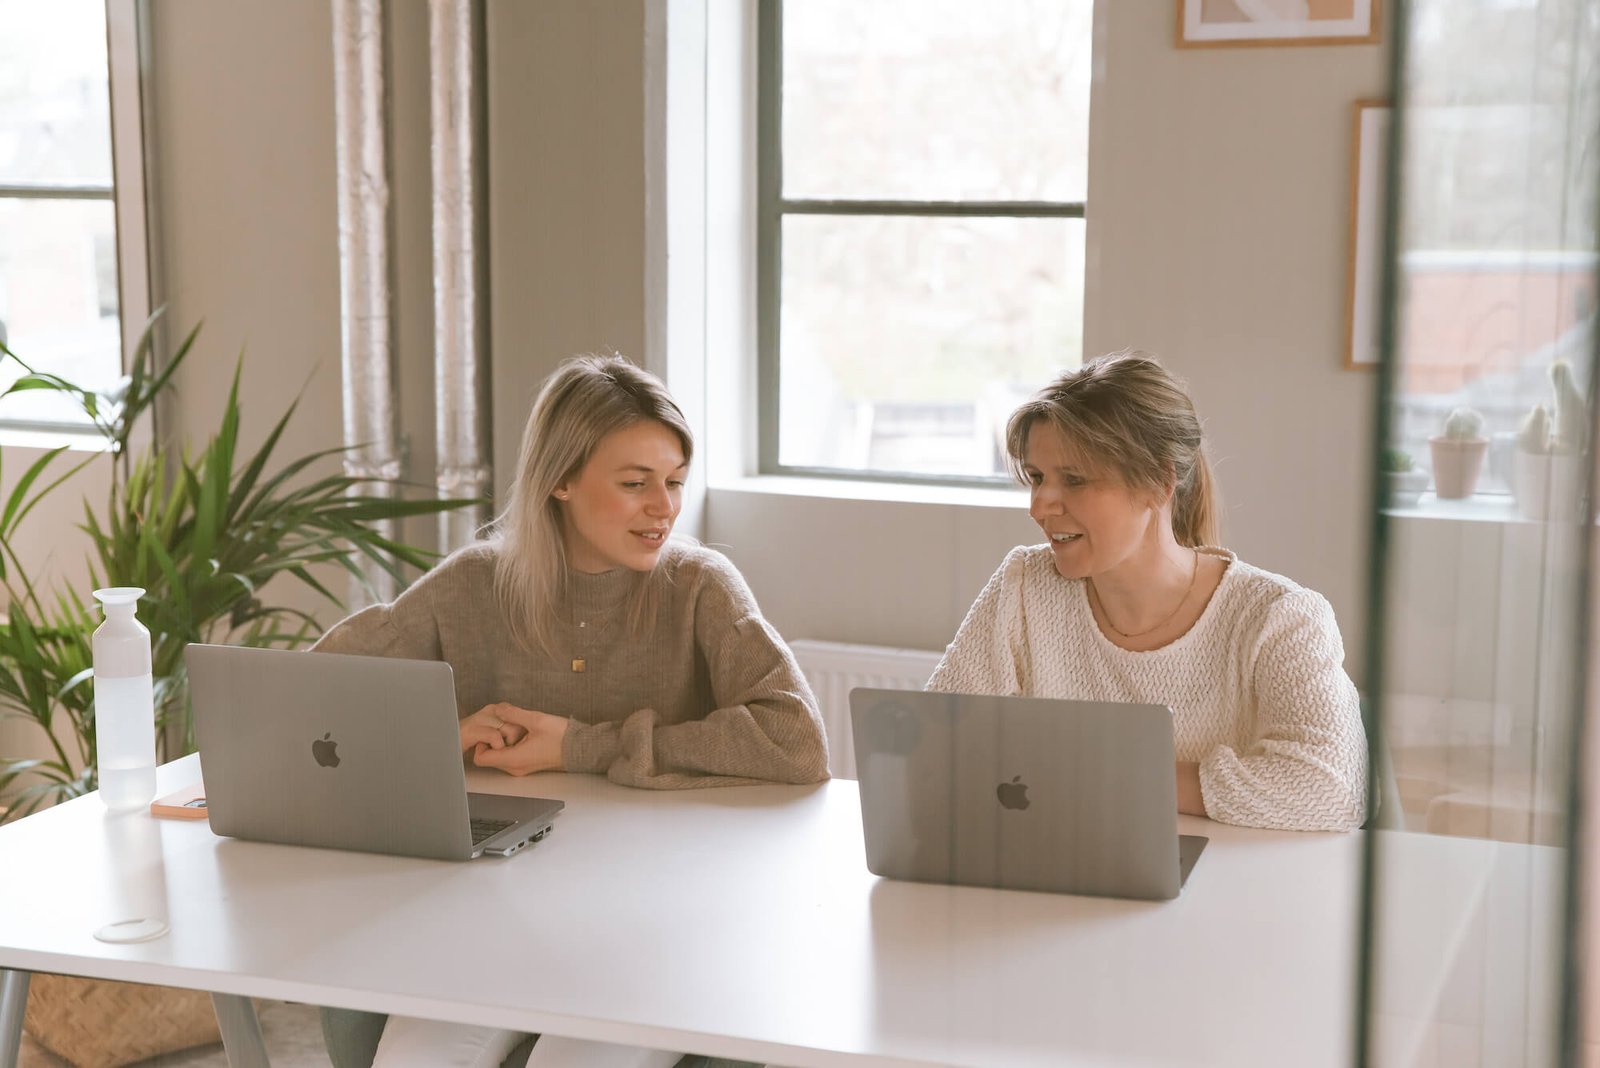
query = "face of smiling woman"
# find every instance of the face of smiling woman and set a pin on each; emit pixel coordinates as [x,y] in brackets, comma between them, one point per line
[1095,522]
[619,508]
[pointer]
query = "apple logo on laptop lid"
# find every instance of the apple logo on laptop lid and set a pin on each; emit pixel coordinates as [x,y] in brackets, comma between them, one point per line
[325,751]
[1013,794]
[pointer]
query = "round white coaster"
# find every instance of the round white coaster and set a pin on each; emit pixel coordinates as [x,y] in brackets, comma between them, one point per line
[141,929]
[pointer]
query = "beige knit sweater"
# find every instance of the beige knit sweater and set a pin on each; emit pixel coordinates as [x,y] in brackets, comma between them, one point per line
[709,696]
[1257,686]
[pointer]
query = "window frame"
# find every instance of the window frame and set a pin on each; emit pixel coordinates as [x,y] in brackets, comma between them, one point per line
[126,194]
[772,207]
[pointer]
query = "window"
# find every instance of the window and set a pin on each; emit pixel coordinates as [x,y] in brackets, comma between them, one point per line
[1497,265]
[921,184]
[59,292]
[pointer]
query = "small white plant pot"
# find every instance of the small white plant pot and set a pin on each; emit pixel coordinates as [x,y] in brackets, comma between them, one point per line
[1546,485]
[1405,487]
[1457,463]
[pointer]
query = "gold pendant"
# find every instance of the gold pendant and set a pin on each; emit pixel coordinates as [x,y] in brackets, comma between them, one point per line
[579,666]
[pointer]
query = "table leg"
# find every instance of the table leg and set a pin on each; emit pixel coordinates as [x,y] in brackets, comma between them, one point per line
[13,1003]
[241,1031]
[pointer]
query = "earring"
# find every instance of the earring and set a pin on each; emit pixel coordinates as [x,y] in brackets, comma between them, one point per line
[561,495]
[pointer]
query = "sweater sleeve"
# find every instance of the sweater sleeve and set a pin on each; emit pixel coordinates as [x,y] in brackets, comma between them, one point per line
[1305,769]
[764,725]
[983,656]
[406,628]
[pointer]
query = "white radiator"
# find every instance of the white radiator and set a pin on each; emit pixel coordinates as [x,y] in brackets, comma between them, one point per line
[835,668]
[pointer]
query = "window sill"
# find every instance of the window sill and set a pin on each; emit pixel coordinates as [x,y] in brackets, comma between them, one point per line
[86,440]
[1002,497]
[1500,508]
[1479,508]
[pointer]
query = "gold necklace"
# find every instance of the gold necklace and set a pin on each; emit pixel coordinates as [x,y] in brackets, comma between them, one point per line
[586,633]
[590,636]
[1194,573]
[580,663]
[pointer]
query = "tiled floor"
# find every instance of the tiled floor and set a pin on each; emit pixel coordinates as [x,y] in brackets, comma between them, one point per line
[292,1032]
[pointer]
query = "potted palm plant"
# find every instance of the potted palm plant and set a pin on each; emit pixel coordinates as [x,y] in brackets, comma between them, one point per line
[213,536]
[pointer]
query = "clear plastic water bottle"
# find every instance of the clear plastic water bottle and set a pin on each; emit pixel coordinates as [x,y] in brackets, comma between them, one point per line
[124,703]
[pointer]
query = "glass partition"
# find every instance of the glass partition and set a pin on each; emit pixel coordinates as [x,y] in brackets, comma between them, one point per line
[1478,645]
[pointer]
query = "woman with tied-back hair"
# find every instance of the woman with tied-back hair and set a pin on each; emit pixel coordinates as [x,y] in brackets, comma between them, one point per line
[1131,600]
[582,639]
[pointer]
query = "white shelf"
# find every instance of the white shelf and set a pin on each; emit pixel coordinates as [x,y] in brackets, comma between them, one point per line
[1479,508]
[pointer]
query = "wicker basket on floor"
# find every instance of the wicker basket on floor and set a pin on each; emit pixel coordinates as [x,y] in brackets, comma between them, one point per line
[94,1023]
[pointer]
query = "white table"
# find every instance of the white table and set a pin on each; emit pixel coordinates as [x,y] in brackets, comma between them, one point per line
[734,922]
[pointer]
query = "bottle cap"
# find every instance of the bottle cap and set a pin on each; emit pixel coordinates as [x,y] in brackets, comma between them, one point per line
[117,596]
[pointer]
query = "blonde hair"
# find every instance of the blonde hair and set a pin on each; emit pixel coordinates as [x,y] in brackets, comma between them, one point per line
[586,398]
[1125,410]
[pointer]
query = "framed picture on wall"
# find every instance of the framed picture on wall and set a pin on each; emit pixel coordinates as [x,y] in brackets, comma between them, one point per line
[1369,142]
[1206,23]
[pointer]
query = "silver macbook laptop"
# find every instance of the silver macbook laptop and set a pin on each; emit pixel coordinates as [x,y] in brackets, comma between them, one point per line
[345,752]
[1022,793]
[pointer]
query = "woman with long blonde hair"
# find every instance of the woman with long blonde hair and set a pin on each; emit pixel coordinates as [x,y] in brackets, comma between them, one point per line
[1130,599]
[583,639]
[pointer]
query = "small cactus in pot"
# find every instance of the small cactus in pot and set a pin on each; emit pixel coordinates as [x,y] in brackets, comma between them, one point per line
[1405,481]
[1533,435]
[1458,451]
[1567,430]
[1548,468]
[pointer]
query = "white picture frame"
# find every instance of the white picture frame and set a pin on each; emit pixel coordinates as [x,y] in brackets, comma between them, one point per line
[1364,270]
[1212,23]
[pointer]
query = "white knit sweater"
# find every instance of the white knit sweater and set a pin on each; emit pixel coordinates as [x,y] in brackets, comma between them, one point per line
[1257,686]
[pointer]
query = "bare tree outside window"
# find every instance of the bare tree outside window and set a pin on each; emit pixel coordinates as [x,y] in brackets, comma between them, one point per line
[924,168]
[58,273]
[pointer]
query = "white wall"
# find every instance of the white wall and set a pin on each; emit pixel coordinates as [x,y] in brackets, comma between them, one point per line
[898,573]
[566,194]
[241,156]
